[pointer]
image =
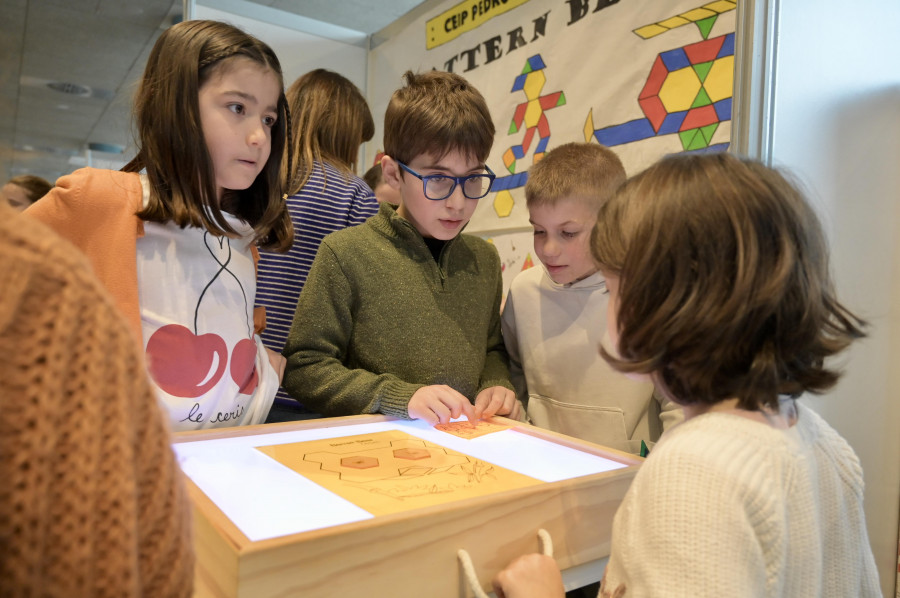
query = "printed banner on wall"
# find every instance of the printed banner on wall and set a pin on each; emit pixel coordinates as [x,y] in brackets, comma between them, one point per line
[645,77]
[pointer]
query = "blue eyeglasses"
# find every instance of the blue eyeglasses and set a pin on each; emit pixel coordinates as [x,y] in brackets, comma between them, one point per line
[441,186]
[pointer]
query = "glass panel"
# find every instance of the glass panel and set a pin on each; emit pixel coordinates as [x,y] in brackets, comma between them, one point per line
[438,186]
[475,186]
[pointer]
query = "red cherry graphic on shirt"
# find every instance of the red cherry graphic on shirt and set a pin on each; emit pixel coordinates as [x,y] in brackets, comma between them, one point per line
[184,364]
[243,366]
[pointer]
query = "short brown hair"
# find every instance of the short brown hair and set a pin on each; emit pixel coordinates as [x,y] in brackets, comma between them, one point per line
[725,290]
[374,176]
[172,147]
[35,187]
[435,113]
[588,171]
[330,119]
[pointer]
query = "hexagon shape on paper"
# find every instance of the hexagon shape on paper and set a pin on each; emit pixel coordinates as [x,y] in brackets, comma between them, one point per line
[359,462]
[413,454]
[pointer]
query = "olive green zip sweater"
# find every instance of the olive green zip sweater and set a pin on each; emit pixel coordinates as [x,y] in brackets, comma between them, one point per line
[379,318]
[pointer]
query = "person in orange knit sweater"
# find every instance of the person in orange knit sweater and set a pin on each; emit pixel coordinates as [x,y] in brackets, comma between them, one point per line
[92,502]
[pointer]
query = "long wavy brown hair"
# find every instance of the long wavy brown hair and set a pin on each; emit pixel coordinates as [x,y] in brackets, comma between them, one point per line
[724,283]
[172,148]
[330,119]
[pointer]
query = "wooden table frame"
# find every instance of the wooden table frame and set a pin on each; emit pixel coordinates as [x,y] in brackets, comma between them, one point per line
[413,553]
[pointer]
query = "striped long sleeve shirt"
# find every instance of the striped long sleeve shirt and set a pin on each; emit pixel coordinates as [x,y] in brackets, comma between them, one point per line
[329,201]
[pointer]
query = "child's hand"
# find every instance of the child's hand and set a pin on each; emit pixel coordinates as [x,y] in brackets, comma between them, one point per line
[278,362]
[438,404]
[496,400]
[531,575]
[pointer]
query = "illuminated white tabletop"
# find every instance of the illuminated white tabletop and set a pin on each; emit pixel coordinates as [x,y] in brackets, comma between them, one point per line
[266,499]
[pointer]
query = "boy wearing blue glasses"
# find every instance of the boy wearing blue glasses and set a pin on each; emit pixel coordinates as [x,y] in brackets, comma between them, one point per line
[401,315]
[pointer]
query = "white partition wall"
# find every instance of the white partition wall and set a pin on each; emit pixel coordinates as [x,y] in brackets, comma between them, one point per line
[827,106]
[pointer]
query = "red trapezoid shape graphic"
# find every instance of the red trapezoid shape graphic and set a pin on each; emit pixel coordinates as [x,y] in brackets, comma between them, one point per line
[655,79]
[699,117]
[704,51]
[654,111]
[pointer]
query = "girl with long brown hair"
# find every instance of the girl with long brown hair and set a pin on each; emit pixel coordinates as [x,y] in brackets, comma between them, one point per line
[330,119]
[172,236]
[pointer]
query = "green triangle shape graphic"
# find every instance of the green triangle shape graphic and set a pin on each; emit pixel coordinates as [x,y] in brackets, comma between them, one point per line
[702,70]
[698,142]
[706,25]
[708,132]
[513,128]
[687,137]
[527,68]
[702,99]
[512,167]
[562,99]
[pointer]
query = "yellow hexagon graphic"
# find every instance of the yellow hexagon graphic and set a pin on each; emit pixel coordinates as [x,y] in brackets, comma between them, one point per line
[534,83]
[720,80]
[503,203]
[679,90]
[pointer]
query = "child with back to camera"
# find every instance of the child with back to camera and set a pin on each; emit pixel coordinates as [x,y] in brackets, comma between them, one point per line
[720,292]
[330,119]
[401,315]
[554,319]
[172,235]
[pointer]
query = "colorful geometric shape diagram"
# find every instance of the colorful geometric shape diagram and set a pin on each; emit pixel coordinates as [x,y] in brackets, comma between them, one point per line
[392,471]
[530,116]
[530,113]
[703,17]
[688,92]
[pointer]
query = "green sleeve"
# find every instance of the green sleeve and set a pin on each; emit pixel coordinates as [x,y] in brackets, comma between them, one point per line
[496,362]
[317,373]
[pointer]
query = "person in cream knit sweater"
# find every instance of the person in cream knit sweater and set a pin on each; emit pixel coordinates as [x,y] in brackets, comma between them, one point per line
[720,293]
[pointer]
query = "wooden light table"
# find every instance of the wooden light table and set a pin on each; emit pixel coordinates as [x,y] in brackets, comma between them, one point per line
[262,530]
